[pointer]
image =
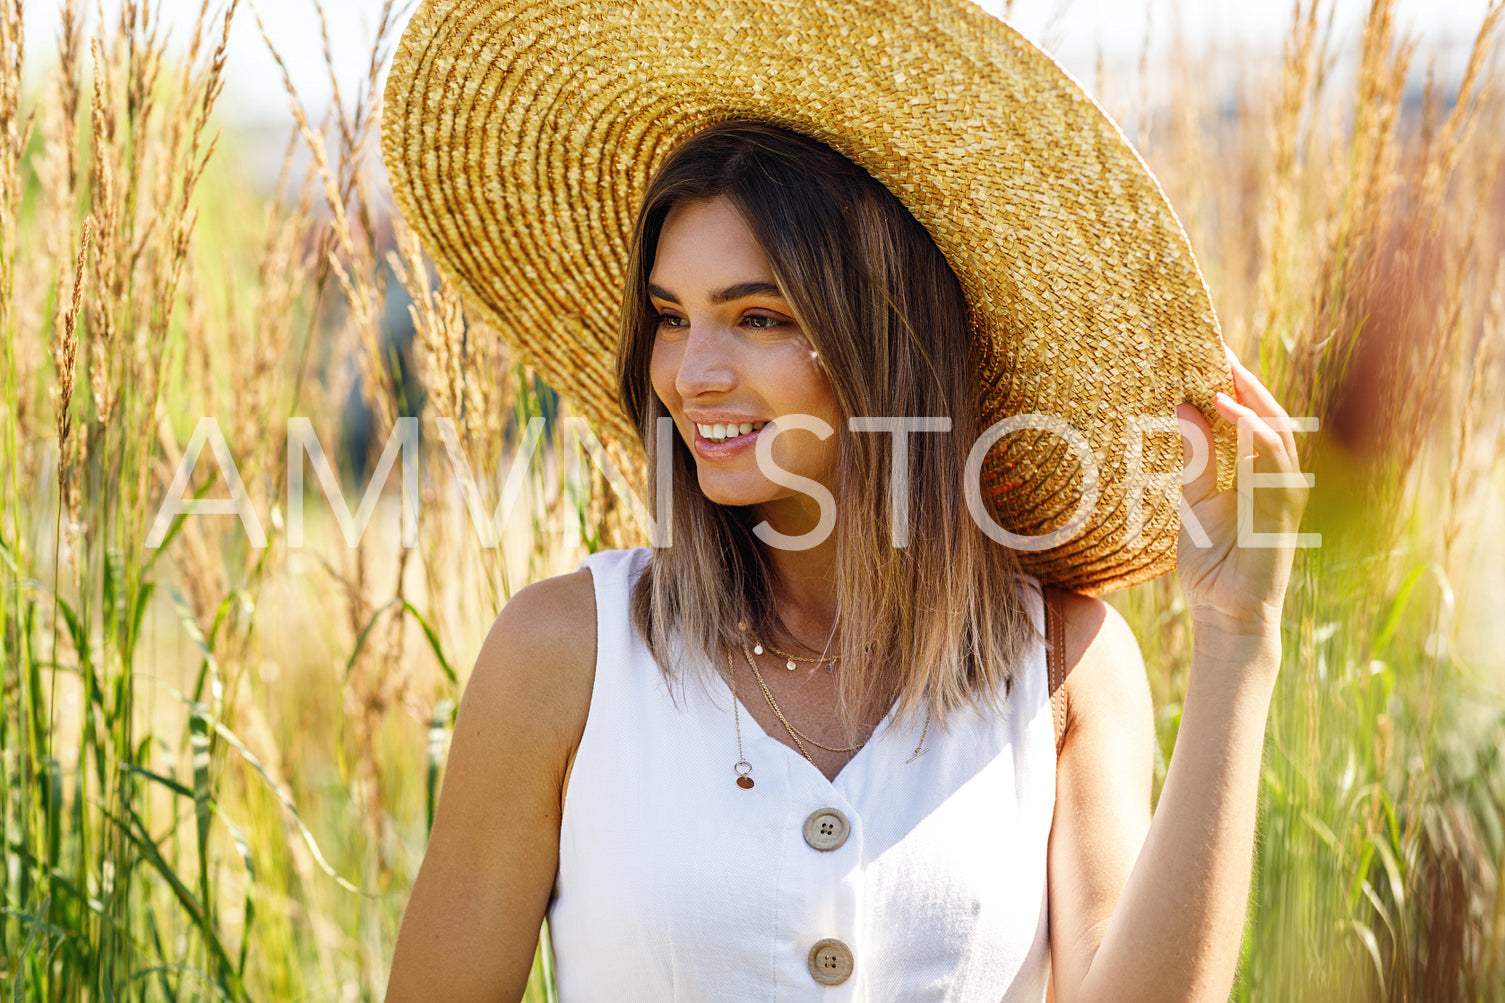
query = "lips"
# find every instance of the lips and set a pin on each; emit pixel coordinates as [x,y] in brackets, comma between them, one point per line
[723,431]
[726,446]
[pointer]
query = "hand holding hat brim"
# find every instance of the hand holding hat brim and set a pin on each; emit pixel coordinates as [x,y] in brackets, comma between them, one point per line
[1239,584]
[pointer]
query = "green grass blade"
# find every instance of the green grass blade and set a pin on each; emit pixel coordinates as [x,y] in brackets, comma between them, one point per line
[1372,948]
[287,803]
[433,640]
[175,786]
[361,638]
[439,726]
[203,796]
[133,829]
[31,936]
[179,968]
[190,624]
[249,908]
[138,612]
[174,530]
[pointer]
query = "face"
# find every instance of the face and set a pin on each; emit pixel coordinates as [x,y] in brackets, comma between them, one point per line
[729,357]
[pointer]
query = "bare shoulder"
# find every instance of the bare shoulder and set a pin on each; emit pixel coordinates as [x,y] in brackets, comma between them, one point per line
[539,656]
[554,619]
[1104,667]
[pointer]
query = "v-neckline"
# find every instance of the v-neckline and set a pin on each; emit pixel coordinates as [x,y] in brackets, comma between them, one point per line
[771,740]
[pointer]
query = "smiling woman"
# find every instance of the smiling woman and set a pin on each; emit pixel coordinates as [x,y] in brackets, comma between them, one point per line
[939,788]
[728,355]
[842,307]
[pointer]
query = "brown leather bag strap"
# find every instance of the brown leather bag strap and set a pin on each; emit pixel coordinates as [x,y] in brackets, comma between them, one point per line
[1055,637]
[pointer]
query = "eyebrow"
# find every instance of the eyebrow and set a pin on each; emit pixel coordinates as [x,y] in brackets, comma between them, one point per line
[727,295]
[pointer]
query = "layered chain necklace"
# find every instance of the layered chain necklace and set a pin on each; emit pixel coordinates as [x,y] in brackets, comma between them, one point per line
[743,768]
[799,736]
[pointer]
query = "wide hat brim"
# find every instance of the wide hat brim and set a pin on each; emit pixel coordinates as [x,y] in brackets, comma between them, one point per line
[520,135]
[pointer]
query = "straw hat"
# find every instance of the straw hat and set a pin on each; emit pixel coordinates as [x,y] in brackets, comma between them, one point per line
[520,135]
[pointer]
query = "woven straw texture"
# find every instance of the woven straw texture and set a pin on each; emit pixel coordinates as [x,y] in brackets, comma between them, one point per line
[520,134]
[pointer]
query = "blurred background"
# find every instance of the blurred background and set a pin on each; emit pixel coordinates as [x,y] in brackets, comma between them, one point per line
[220,760]
[1074,31]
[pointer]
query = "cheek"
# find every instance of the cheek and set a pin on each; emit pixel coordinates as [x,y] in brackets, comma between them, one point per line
[802,380]
[808,390]
[663,366]
[817,390]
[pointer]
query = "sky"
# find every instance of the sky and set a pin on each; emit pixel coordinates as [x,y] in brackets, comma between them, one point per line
[1072,30]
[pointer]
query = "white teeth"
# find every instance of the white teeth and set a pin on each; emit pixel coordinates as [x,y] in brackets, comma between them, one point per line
[722,431]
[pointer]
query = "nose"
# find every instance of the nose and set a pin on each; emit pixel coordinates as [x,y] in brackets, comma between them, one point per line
[705,363]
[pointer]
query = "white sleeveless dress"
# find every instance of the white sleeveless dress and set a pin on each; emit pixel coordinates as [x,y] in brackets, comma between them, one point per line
[674,884]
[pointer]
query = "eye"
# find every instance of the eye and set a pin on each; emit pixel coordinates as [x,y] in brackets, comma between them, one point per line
[762,322]
[670,321]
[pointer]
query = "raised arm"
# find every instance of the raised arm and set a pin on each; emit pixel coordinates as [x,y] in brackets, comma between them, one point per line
[1175,932]
[1181,882]
[471,925]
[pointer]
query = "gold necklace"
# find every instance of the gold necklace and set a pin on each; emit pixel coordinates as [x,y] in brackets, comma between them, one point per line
[829,661]
[794,733]
[743,768]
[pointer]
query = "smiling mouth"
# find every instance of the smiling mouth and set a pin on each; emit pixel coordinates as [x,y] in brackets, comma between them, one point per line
[722,432]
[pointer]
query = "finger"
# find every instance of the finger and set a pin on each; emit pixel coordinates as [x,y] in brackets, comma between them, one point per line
[1272,452]
[1251,391]
[1284,501]
[1255,395]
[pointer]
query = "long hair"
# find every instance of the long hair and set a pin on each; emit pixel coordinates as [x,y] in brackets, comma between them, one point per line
[943,617]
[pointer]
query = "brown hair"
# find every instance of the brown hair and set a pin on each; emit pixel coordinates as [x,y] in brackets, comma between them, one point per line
[942,617]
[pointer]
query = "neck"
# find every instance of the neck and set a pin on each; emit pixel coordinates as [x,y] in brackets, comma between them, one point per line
[804,592]
[804,581]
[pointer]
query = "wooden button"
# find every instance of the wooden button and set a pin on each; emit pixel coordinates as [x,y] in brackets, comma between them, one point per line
[830,962]
[826,829]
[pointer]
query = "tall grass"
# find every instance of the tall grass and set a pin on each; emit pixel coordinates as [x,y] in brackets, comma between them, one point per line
[1354,229]
[219,761]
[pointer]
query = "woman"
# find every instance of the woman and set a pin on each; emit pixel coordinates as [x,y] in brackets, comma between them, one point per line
[810,746]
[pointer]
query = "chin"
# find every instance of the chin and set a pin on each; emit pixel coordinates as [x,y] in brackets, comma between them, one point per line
[722,490]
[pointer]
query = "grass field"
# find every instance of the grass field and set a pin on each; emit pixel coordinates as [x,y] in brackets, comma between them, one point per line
[219,760]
